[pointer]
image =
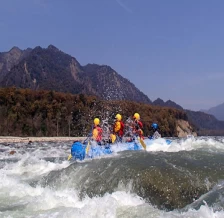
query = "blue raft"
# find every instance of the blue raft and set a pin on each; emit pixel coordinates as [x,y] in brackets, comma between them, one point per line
[79,151]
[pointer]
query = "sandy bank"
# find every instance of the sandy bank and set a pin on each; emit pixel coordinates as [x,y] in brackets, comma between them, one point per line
[10,139]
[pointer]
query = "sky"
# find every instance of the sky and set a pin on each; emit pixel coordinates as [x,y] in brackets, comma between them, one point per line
[169,49]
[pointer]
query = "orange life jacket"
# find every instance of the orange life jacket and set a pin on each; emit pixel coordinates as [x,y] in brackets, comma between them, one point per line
[119,128]
[97,133]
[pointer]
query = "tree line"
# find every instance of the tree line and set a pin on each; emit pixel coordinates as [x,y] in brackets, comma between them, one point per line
[25,112]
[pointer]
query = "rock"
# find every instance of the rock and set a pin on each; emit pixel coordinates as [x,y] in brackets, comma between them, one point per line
[184,129]
[12,152]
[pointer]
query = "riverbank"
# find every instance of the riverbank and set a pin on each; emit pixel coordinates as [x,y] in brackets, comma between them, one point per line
[11,139]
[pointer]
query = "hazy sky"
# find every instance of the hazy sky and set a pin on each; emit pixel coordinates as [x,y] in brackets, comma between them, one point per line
[172,49]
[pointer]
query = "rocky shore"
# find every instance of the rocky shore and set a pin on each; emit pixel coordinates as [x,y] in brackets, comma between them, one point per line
[11,139]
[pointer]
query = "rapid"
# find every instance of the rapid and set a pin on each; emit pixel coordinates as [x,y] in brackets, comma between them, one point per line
[182,179]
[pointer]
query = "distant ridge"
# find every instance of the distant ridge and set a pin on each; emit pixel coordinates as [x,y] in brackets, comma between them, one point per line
[169,103]
[217,111]
[204,122]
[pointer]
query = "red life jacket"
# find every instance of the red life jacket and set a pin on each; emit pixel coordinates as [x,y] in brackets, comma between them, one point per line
[121,131]
[138,128]
[140,124]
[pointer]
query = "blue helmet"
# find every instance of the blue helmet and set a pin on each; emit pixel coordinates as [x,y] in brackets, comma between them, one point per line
[155,126]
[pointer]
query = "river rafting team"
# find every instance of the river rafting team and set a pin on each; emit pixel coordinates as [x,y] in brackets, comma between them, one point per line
[118,129]
[80,150]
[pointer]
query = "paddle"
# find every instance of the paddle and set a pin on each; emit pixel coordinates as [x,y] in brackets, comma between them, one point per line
[142,142]
[88,147]
[69,156]
[88,138]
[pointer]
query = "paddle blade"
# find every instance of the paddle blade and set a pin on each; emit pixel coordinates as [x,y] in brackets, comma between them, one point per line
[87,147]
[69,157]
[142,143]
[113,138]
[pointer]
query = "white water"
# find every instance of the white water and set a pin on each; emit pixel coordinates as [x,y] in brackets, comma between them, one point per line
[188,144]
[20,199]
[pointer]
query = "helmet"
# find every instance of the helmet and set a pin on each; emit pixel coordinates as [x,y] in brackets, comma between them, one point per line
[118,117]
[155,126]
[96,121]
[136,116]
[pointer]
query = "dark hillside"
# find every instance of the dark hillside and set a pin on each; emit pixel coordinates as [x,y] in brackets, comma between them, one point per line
[24,112]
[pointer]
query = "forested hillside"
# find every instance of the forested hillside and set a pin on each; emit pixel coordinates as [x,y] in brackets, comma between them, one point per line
[24,112]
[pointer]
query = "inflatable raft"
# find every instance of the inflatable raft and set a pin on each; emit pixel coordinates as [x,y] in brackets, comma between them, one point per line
[80,151]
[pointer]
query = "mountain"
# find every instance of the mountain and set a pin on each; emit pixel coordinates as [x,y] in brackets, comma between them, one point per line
[10,59]
[205,124]
[52,69]
[217,111]
[169,103]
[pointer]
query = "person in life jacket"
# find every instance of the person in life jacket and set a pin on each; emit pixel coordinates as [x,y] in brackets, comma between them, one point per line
[97,131]
[137,126]
[118,129]
[155,131]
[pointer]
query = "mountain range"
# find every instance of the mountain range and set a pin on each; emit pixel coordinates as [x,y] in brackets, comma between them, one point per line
[51,69]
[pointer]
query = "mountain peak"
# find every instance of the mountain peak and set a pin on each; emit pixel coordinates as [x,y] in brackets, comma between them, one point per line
[169,103]
[159,102]
[15,49]
[159,99]
[53,48]
[172,104]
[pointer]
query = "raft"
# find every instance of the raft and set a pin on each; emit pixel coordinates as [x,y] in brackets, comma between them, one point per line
[80,151]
